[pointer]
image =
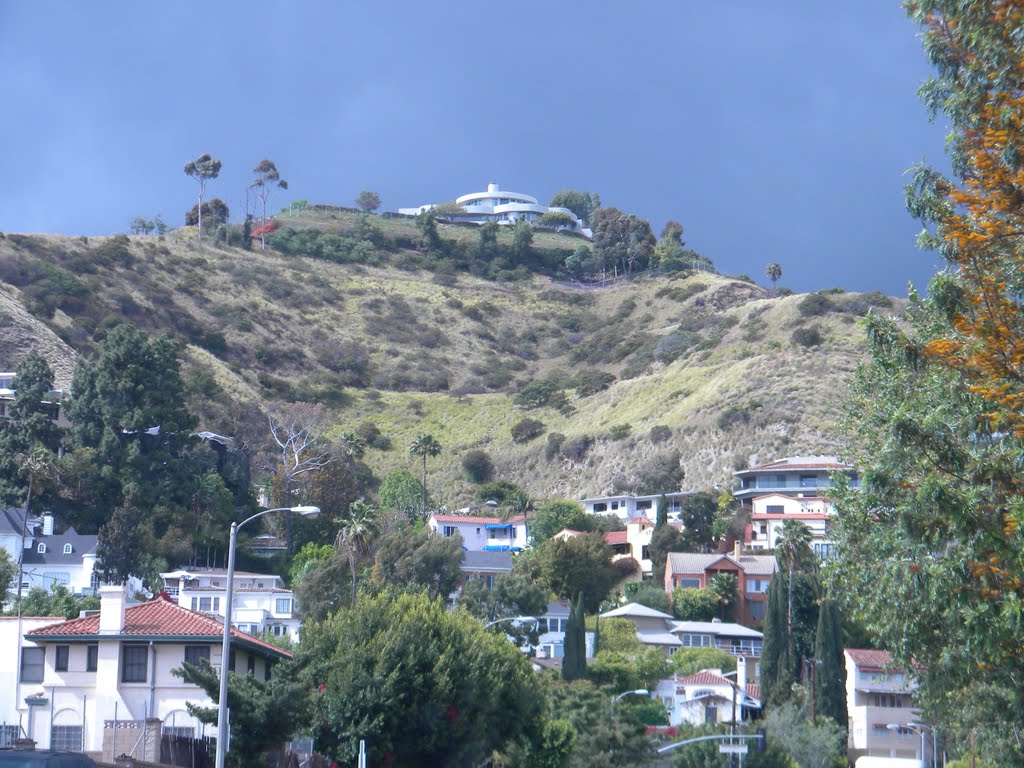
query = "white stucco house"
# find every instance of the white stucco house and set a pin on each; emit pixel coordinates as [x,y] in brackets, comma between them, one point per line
[103,683]
[49,558]
[794,476]
[709,697]
[483,533]
[502,207]
[880,707]
[771,511]
[626,506]
[260,603]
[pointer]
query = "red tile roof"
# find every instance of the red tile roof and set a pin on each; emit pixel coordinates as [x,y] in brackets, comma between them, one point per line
[787,464]
[754,691]
[705,677]
[472,520]
[641,520]
[616,537]
[153,619]
[870,658]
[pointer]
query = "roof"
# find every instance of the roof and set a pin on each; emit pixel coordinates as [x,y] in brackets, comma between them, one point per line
[191,573]
[830,463]
[486,561]
[616,537]
[790,516]
[474,520]
[11,521]
[695,562]
[557,609]
[635,610]
[81,544]
[869,658]
[723,628]
[644,521]
[754,691]
[157,618]
[705,677]
[658,638]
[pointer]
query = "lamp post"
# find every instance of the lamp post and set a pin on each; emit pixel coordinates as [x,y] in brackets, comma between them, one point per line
[519,620]
[920,728]
[225,648]
[637,692]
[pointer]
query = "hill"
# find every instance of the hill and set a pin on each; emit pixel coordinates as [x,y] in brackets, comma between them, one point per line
[628,382]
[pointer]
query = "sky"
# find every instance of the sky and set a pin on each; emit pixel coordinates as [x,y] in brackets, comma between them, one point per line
[775,132]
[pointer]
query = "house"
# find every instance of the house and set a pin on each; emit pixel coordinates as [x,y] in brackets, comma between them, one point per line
[266,545]
[742,642]
[879,702]
[486,566]
[551,631]
[627,506]
[49,558]
[52,401]
[488,534]
[753,575]
[502,207]
[709,697]
[771,511]
[260,602]
[652,627]
[634,542]
[796,476]
[103,683]
[12,642]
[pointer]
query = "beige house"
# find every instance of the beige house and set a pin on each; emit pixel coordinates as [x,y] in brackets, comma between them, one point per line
[883,718]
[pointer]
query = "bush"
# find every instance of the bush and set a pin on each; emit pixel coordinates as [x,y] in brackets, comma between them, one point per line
[784,291]
[526,430]
[540,393]
[694,604]
[554,446]
[590,382]
[659,434]
[815,304]
[372,436]
[620,431]
[806,337]
[478,465]
[576,449]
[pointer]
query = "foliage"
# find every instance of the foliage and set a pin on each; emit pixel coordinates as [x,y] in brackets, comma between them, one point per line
[555,515]
[773,272]
[815,304]
[478,466]
[401,492]
[694,604]
[541,393]
[356,529]
[525,430]
[830,675]
[583,204]
[664,540]
[121,543]
[324,588]
[368,201]
[778,667]
[265,180]
[8,571]
[623,240]
[203,169]
[421,684]
[513,594]
[264,715]
[310,555]
[725,588]
[811,745]
[631,670]
[701,528]
[419,560]
[689,661]
[619,431]
[579,564]
[424,446]
[653,596]
[574,662]
[59,601]
[806,337]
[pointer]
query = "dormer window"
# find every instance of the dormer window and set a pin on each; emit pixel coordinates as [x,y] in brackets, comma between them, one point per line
[67,549]
[41,549]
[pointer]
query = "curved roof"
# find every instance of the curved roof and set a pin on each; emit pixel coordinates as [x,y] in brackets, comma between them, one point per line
[635,610]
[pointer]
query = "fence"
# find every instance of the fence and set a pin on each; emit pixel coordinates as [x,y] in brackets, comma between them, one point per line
[186,751]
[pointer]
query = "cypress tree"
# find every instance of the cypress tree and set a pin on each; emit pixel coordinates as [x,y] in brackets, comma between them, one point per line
[570,661]
[830,676]
[776,663]
[581,639]
[662,519]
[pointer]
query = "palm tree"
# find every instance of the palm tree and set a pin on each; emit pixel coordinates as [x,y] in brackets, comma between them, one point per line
[424,446]
[793,549]
[358,526]
[773,272]
[352,445]
[724,587]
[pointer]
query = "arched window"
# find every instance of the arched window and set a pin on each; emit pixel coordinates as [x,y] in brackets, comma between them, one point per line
[41,549]
[67,549]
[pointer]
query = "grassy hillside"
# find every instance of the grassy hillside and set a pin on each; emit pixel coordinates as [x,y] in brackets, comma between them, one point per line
[710,362]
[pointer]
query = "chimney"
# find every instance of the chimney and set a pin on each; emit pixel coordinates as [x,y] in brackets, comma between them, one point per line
[741,674]
[47,523]
[112,599]
[737,548]
[492,188]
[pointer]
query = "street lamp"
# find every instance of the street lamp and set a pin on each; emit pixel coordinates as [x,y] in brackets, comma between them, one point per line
[517,620]
[225,649]
[637,692]
[920,728]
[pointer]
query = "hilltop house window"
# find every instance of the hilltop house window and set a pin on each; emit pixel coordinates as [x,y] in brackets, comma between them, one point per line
[600,507]
[32,660]
[67,549]
[60,662]
[757,610]
[808,481]
[645,504]
[283,605]
[776,509]
[41,549]
[134,660]
[695,641]
[196,654]
[92,657]
[449,530]
[208,604]
[757,585]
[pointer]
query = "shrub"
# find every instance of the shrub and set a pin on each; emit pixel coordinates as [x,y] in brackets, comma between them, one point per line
[554,446]
[815,304]
[806,337]
[576,449]
[590,382]
[478,466]
[620,431]
[694,604]
[784,291]
[373,437]
[659,433]
[540,393]
[526,430]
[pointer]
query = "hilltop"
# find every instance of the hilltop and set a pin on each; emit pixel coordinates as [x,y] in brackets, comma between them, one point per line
[719,369]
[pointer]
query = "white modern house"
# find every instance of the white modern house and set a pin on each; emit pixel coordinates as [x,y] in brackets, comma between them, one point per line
[627,506]
[502,207]
[709,697]
[103,683]
[260,603]
[12,636]
[884,722]
[795,476]
[480,533]
[771,511]
[49,558]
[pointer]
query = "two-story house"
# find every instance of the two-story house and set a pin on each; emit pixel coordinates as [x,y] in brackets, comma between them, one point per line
[708,696]
[103,683]
[480,533]
[769,514]
[691,570]
[879,703]
[260,603]
[795,476]
[49,558]
[626,506]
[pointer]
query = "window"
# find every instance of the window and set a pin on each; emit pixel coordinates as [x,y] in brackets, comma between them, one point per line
[278,630]
[251,666]
[134,660]
[688,583]
[195,603]
[879,731]
[600,507]
[196,654]
[60,663]
[645,553]
[757,610]
[449,530]
[32,660]
[776,509]
[92,656]
[808,481]
[695,641]
[283,605]
[615,505]
[41,549]
[205,603]
[645,504]
[67,549]
[755,586]
[66,738]
[8,733]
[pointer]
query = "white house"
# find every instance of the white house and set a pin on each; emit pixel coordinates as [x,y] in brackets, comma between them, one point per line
[12,641]
[52,401]
[879,702]
[104,684]
[551,631]
[487,534]
[709,696]
[626,506]
[502,207]
[652,627]
[793,476]
[771,511]
[260,603]
[49,558]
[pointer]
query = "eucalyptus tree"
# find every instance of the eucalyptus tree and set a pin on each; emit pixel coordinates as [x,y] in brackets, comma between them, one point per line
[202,169]
[267,179]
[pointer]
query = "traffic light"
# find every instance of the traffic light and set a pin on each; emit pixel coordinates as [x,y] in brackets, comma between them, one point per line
[762,742]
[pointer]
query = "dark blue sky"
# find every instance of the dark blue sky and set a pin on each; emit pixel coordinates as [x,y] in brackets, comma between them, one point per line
[773,131]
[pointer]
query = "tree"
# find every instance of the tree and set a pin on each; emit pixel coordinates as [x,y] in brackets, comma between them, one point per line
[324,587]
[8,570]
[830,675]
[699,517]
[672,232]
[423,446]
[664,540]
[694,604]
[583,204]
[419,560]
[556,515]
[266,179]
[578,565]
[401,492]
[522,241]
[811,745]
[357,527]
[478,466]
[58,601]
[121,543]
[513,594]
[574,662]
[622,239]
[688,661]
[773,272]
[264,715]
[367,201]
[202,169]
[421,684]
[214,213]
[725,588]
[140,225]
[777,663]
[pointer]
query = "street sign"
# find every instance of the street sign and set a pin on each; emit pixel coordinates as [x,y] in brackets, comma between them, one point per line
[732,749]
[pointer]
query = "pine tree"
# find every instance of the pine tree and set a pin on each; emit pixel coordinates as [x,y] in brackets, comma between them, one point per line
[830,677]
[569,665]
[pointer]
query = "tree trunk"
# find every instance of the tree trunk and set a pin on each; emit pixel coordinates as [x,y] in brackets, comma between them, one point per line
[202,185]
[423,510]
[352,564]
